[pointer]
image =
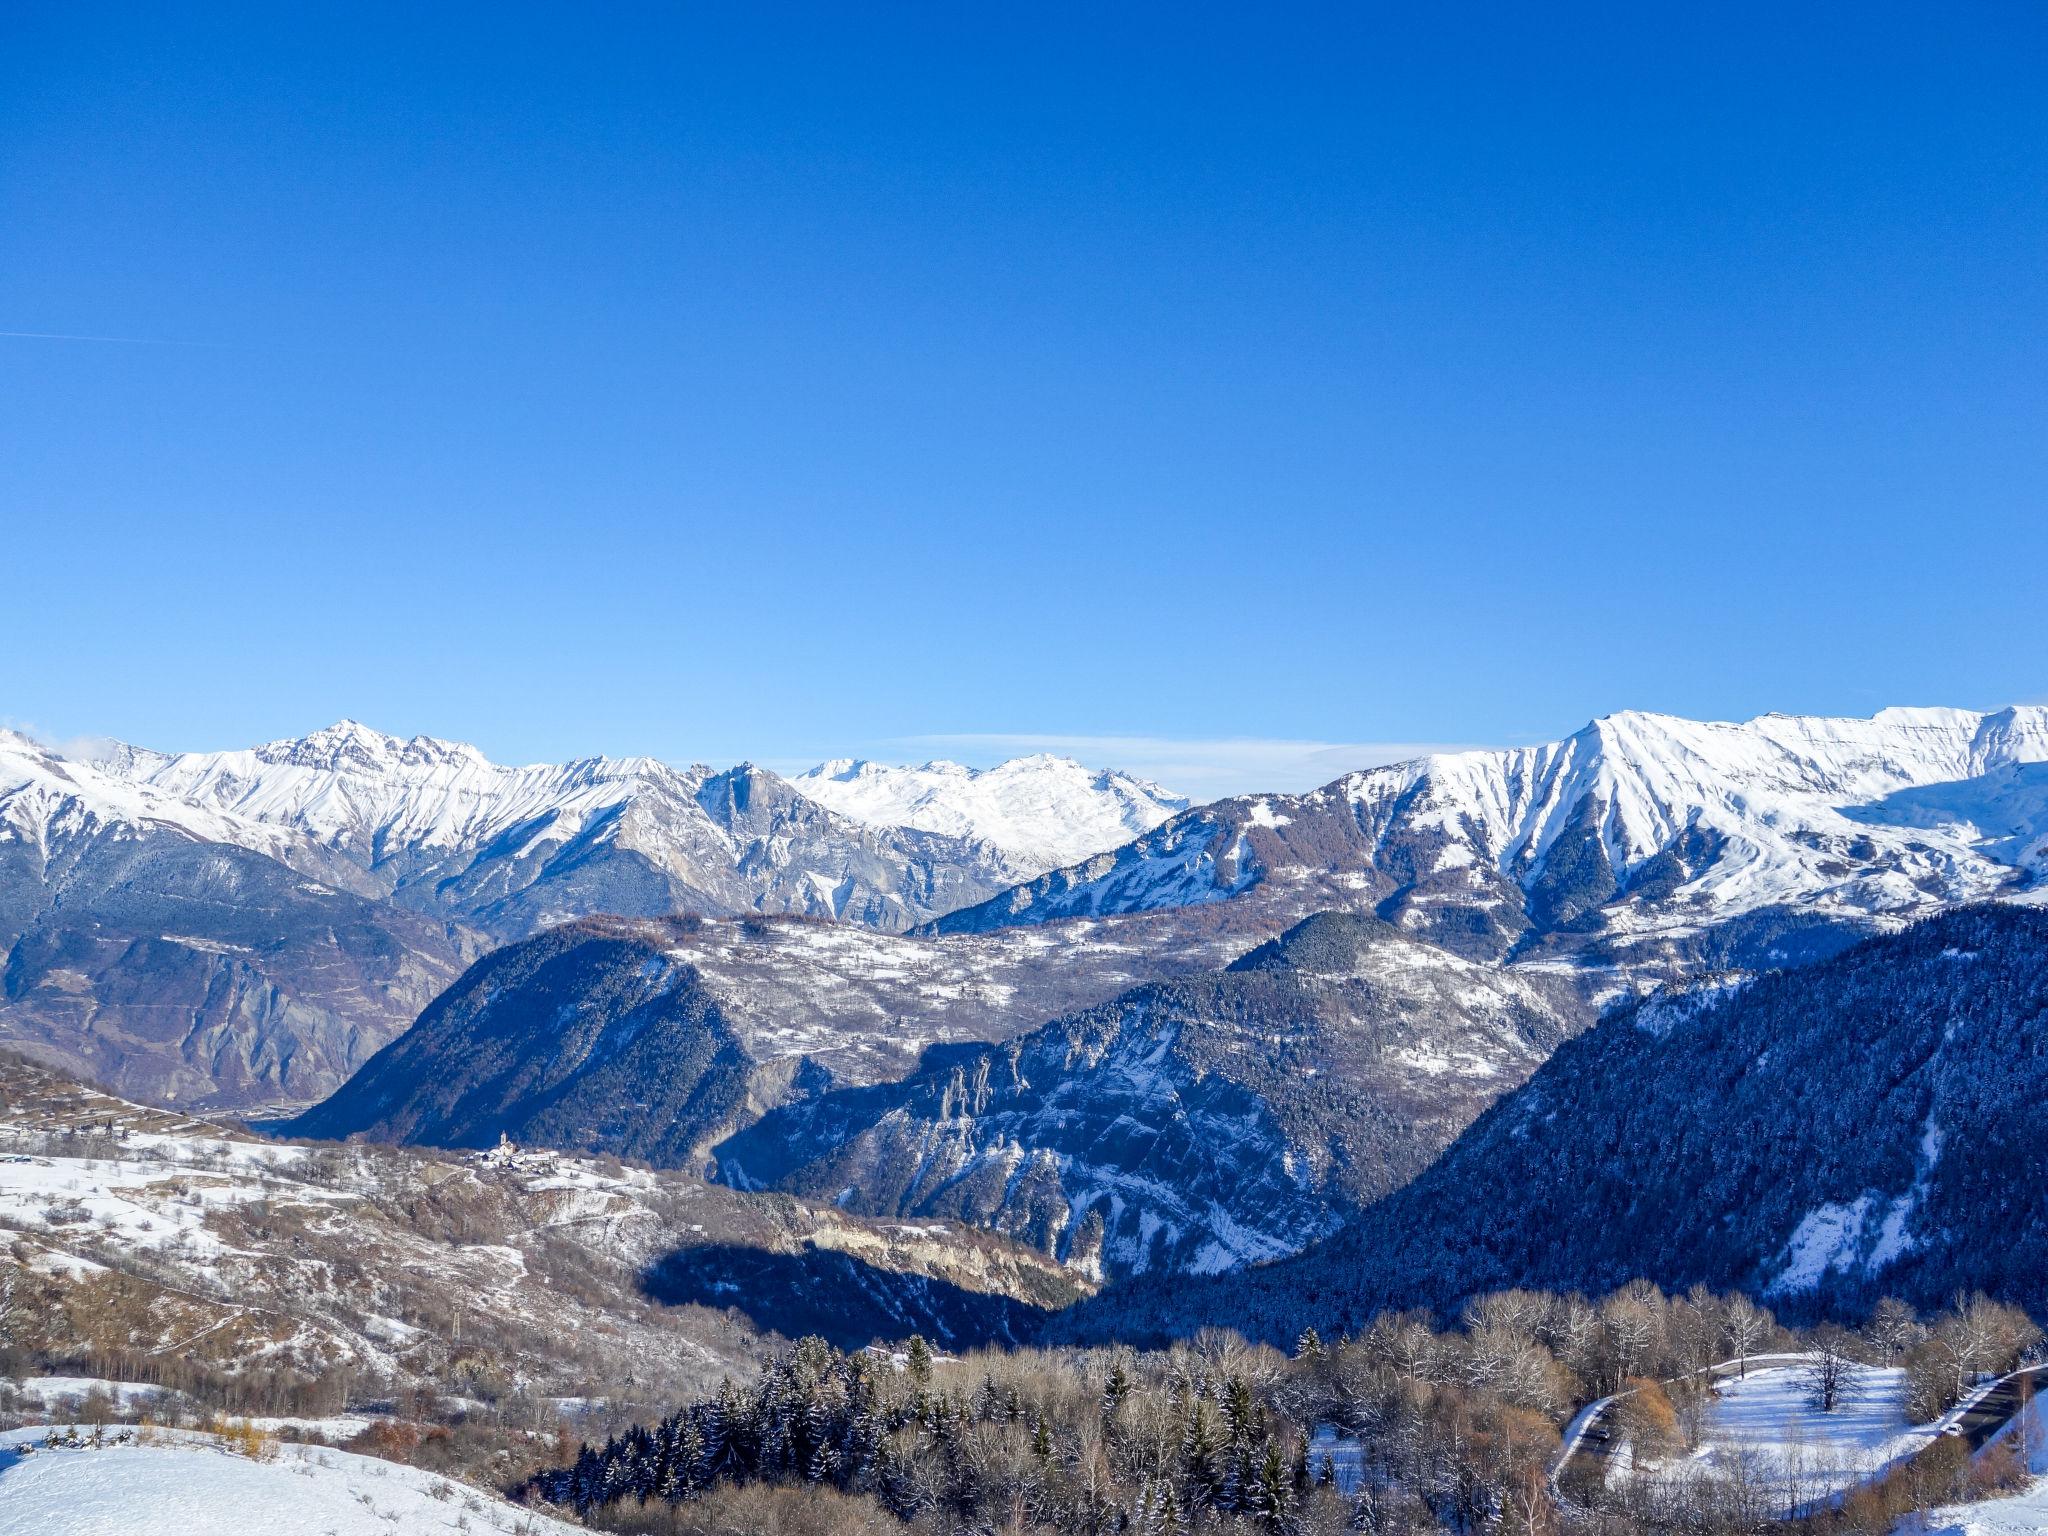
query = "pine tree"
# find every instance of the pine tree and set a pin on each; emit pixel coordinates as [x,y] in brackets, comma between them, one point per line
[1270,1501]
[1240,1478]
[688,1480]
[586,1482]
[1309,1346]
[721,1456]
[1199,1450]
[1239,1413]
[917,1356]
[1116,1389]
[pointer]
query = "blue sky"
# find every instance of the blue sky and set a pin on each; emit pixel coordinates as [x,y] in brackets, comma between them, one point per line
[1242,392]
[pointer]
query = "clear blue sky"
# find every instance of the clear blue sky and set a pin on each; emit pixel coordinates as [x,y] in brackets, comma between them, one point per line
[784,381]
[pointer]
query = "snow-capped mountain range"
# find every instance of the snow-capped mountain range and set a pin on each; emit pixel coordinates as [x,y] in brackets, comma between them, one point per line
[514,849]
[377,798]
[1042,811]
[254,923]
[249,926]
[1638,827]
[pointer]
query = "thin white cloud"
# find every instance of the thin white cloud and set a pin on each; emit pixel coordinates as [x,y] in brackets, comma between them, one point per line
[82,748]
[1200,768]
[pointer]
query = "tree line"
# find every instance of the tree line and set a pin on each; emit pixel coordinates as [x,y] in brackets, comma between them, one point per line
[1402,1429]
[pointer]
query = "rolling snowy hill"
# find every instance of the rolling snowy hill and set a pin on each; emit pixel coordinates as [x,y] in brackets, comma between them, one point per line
[1232,1113]
[1197,1124]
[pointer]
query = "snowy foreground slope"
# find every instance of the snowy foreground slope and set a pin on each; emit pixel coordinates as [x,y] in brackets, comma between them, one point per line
[183,1254]
[1043,811]
[188,1485]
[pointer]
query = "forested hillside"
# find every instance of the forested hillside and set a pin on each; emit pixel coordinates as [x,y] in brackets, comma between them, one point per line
[1867,1125]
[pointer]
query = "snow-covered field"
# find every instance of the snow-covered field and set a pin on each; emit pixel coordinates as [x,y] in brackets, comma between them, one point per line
[54,1393]
[1343,1452]
[187,1485]
[2023,1514]
[1765,1429]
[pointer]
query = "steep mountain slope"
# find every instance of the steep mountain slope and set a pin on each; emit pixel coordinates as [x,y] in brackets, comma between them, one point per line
[639,1060]
[512,850]
[1194,1125]
[1044,812]
[180,952]
[644,1038]
[1644,839]
[1871,1124]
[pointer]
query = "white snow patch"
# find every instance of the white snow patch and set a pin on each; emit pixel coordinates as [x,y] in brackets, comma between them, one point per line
[191,1486]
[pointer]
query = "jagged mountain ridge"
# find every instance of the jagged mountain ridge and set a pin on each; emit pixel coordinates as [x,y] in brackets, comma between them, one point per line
[1639,834]
[439,827]
[1821,1136]
[1043,811]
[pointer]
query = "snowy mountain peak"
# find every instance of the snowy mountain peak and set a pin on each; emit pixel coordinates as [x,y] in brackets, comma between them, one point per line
[351,744]
[1636,825]
[1043,811]
[1778,792]
[44,795]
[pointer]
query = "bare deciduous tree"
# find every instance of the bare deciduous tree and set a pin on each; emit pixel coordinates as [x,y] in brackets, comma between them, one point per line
[1829,1371]
[1745,1325]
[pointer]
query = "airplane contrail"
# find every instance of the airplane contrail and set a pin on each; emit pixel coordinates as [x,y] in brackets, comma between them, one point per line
[137,341]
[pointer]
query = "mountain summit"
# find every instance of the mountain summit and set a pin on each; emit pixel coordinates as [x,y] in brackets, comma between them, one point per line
[1638,832]
[1042,811]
